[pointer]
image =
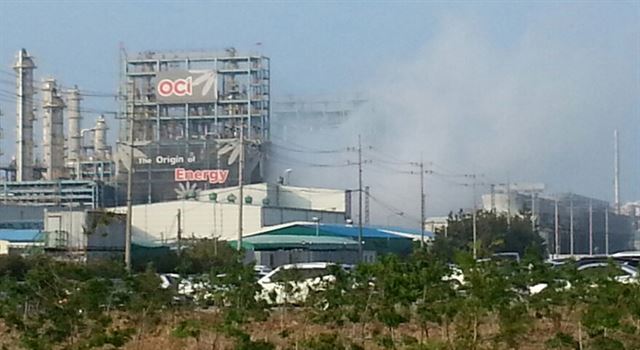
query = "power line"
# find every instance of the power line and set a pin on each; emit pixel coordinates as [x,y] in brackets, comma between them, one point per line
[298,150]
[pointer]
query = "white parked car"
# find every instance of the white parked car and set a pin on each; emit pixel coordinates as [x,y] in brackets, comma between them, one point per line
[625,274]
[261,270]
[197,289]
[292,283]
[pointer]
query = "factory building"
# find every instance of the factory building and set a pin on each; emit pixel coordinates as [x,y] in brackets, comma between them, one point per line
[298,242]
[84,235]
[67,172]
[569,223]
[188,111]
[20,241]
[293,116]
[214,213]
[632,209]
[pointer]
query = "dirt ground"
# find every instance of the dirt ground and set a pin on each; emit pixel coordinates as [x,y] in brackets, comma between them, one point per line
[290,332]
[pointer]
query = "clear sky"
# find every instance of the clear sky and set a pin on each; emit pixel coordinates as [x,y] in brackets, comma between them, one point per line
[590,51]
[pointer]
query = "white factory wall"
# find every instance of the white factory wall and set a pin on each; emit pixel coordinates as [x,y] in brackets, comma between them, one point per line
[258,192]
[308,198]
[157,223]
[284,196]
[65,229]
[502,202]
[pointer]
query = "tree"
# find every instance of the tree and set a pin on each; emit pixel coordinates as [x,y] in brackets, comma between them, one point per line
[494,234]
[203,255]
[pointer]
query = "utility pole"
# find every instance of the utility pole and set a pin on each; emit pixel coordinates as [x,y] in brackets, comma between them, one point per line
[606,230]
[241,184]
[571,233]
[179,234]
[421,203]
[590,226]
[616,169]
[509,204]
[360,250]
[127,235]
[367,213]
[475,226]
[557,229]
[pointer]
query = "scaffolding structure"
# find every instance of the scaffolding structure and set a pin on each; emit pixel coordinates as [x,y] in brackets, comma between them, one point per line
[296,115]
[197,125]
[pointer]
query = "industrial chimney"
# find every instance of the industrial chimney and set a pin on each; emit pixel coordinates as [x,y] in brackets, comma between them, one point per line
[53,131]
[25,117]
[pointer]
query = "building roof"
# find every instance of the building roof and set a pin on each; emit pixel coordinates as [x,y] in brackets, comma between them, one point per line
[347,231]
[269,242]
[13,236]
[352,231]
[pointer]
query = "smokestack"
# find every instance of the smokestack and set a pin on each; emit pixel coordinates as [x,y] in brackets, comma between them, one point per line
[53,131]
[24,67]
[73,131]
[616,170]
[100,147]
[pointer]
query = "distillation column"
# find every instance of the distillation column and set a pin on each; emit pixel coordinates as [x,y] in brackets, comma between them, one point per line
[53,131]
[100,148]
[73,129]
[25,117]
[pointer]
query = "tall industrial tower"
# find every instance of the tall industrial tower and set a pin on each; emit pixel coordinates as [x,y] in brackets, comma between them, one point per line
[73,129]
[53,131]
[188,110]
[100,148]
[24,67]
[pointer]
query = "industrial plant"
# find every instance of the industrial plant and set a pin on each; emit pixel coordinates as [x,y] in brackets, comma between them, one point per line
[185,157]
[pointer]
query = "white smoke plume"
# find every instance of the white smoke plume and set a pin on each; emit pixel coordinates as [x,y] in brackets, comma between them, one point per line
[540,110]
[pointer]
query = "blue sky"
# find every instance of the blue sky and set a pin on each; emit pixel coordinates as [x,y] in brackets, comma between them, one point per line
[351,47]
